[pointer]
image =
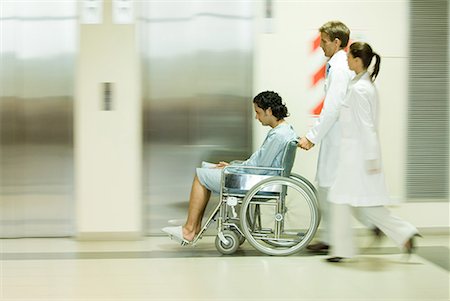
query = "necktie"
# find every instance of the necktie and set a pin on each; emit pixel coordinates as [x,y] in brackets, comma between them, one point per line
[327,70]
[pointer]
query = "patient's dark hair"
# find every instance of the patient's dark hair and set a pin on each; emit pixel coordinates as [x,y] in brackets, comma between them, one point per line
[270,99]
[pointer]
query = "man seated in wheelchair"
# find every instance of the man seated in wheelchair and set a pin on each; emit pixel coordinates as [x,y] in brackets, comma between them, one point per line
[270,111]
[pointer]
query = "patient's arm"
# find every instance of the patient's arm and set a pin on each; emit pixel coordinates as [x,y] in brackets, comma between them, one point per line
[222,164]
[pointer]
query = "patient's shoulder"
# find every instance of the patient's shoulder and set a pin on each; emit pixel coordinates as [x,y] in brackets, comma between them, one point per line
[283,133]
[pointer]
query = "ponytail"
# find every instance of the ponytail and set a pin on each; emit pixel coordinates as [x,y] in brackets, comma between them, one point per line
[376,67]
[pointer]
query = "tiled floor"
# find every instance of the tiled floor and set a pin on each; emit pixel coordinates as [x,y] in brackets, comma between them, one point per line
[156,268]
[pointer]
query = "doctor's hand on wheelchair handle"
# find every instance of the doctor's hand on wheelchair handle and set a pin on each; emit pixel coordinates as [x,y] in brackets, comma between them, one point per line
[305,144]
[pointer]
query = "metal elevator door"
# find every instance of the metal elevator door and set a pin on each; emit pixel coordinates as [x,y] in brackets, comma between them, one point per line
[197,96]
[38,51]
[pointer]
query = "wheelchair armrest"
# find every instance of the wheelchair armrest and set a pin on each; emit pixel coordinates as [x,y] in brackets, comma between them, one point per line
[234,180]
[244,167]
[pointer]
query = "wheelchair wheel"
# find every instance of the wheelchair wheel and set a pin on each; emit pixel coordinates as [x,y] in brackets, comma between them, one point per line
[302,179]
[232,242]
[279,216]
[240,236]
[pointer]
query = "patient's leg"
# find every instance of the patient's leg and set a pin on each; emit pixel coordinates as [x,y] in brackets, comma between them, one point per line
[197,203]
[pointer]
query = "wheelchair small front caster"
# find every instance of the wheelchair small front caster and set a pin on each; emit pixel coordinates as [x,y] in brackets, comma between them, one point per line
[229,242]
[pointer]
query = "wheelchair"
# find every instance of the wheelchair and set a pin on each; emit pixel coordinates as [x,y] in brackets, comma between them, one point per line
[275,210]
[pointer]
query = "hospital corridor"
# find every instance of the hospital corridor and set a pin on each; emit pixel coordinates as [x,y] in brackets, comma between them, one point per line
[120,119]
[156,268]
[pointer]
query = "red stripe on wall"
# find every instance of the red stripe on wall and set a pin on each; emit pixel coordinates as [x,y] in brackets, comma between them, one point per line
[318,108]
[316,43]
[319,75]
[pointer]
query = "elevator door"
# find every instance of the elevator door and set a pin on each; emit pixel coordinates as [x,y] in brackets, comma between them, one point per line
[197,96]
[38,48]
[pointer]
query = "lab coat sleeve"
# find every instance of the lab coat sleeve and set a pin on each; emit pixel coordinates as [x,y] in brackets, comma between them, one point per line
[364,115]
[339,80]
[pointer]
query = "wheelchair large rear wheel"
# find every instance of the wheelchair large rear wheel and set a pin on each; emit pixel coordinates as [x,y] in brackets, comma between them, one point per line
[279,216]
[311,189]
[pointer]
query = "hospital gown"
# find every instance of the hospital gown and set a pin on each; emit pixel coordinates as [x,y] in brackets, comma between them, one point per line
[269,154]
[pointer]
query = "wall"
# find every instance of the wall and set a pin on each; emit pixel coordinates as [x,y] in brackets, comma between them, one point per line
[284,62]
[108,143]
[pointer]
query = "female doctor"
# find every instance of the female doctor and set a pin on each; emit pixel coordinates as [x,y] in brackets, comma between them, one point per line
[360,185]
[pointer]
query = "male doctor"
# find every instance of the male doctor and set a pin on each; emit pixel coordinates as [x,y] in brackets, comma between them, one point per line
[334,37]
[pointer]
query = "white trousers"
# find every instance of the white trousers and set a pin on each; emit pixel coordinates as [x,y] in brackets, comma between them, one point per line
[395,228]
[325,216]
[324,207]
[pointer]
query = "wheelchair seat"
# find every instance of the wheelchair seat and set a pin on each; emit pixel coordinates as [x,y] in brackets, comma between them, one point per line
[273,209]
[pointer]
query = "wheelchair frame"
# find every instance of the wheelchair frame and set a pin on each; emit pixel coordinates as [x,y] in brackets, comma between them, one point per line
[268,192]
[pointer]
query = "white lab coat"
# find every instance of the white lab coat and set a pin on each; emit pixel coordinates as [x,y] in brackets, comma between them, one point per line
[359,148]
[326,129]
[355,189]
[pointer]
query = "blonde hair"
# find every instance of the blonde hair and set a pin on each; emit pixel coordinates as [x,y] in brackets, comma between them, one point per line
[336,30]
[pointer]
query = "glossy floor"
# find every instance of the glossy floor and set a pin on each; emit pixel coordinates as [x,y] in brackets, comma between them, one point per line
[156,268]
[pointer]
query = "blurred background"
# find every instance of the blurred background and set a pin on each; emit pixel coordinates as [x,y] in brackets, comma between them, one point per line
[108,106]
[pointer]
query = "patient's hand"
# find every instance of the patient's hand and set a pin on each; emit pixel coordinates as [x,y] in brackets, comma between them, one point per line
[222,164]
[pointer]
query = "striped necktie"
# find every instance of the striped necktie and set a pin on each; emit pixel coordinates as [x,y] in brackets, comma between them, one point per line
[327,70]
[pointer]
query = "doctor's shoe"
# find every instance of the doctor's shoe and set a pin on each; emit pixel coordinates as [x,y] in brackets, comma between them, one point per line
[377,233]
[410,246]
[336,259]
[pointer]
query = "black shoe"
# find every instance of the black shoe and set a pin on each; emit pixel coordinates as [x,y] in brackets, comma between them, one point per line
[377,233]
[335,259]
[410,245]
[318,247]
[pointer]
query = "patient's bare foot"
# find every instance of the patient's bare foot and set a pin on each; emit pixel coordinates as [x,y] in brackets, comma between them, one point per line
[188,234]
